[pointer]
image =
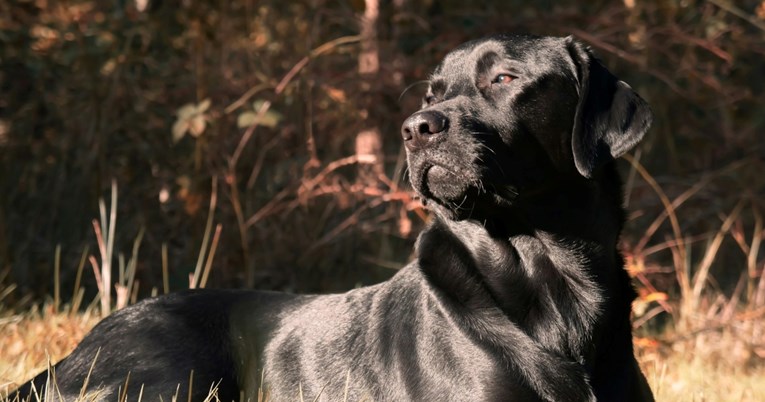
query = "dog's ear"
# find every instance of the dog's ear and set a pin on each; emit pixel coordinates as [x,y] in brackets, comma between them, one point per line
[610,117]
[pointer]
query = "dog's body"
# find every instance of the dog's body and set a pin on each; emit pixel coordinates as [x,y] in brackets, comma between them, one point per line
[518,292]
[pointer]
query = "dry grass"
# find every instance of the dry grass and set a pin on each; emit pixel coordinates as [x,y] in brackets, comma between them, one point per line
[28,340]
[683,376]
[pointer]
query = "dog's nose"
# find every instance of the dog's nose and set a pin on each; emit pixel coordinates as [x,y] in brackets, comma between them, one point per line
[422,127]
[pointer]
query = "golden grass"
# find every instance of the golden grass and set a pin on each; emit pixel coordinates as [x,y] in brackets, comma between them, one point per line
[28,340]
[678,373]
[684,377]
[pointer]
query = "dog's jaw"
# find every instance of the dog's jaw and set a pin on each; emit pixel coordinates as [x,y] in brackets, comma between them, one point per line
[445,183]
[455,194]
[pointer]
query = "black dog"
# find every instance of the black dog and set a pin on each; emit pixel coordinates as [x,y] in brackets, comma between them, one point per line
[518,292]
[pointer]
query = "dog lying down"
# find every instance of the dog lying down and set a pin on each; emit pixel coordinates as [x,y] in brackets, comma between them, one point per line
[517,292]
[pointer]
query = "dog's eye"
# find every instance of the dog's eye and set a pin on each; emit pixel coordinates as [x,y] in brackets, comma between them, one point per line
[502,79]
[429,99]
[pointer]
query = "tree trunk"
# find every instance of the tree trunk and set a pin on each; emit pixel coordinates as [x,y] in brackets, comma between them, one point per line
[369,139]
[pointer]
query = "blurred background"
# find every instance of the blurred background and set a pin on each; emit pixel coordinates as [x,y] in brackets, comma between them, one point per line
[256,144]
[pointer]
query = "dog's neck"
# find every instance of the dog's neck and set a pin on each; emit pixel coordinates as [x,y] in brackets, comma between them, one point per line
[548,274]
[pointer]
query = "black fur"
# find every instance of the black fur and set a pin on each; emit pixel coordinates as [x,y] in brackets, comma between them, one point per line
[518,291]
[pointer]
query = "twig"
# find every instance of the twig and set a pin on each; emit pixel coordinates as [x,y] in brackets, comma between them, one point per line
[259,162]
[123,394]
[332,166]
[247,95]
[206,237]
[213,248]
[738,13]
[683,276]
[96,273]
[128,282]
[647,316]
[754,248]
[240,224]
[759,298]
[165,270]
[345,224]
[87,377]
[265,209]
[103,290]
[679,200]
[106,261]
[648,285]
[106,248]
[77,294]
[730,307]
[57,278]
[706,263]
[669,243]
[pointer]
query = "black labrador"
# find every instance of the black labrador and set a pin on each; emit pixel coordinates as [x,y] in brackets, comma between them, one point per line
[517,293]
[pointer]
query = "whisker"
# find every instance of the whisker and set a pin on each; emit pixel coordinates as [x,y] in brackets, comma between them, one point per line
[410,87]
[464,200]
[488,148]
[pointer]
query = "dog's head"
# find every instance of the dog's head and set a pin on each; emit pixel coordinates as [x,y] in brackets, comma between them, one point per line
[507,115]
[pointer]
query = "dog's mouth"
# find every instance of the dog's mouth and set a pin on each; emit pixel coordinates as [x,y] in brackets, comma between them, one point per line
[440,182]
[459,194]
